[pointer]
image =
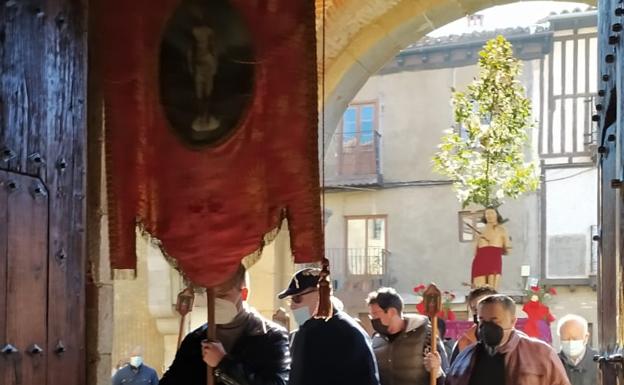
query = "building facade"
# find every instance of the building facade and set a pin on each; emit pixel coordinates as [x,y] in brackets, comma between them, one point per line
[395,222]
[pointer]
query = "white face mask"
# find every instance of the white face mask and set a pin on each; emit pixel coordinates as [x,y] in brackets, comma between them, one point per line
[302,314]
[225,311]
[573,348]
[136,361]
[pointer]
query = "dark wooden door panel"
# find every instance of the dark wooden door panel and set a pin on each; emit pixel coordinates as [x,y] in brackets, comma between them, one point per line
[43,84]
[27,268]
[607,301]
[3,272]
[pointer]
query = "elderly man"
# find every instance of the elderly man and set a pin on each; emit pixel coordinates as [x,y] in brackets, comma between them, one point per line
[136,372]
[576,356]
[402,341]
[503,355]
[326,352]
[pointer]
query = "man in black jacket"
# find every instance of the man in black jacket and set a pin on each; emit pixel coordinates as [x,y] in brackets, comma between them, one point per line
[326,352]
[249,350]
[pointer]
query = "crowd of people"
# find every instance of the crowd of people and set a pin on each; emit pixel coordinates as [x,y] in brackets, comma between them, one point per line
[251,350]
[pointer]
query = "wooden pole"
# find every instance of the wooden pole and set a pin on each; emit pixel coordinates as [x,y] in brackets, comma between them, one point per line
[211,332]
[432,298]
[434,347]
[324,309]
[181,330]
[184,305]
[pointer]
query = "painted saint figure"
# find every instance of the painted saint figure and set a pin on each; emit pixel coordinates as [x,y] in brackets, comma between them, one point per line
[491,244]
[202,61]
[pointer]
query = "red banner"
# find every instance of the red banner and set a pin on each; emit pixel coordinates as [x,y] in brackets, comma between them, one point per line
[211,125]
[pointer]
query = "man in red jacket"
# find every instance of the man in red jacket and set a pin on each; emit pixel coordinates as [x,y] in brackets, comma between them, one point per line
[504,355]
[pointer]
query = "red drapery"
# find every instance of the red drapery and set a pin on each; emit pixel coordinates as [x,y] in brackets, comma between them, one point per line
[210,206]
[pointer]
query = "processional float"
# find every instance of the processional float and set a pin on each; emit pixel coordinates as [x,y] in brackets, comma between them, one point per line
[211,125]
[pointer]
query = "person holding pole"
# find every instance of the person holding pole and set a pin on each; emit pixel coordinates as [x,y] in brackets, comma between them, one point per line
[326,351]
[402,342]
[248,349]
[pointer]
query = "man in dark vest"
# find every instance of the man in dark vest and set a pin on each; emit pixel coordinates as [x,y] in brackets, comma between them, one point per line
[402,342]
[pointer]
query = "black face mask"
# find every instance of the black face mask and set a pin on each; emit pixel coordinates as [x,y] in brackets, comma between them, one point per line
[379,327]
[490,334]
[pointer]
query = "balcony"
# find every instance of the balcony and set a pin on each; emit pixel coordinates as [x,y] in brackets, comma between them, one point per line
[355,272]
[361,266]
[353,159]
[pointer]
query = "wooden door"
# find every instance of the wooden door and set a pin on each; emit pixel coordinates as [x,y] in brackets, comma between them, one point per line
[24,208]
[609,269]
[43,90]
[4,362]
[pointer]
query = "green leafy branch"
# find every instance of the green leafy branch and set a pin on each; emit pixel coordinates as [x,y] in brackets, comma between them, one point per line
[484,154]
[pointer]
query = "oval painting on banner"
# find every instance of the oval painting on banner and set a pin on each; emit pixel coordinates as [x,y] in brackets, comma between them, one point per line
[206,71]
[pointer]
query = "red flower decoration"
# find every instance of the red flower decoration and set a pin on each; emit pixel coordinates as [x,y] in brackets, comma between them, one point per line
[535,289]
[552,291]
[419,288]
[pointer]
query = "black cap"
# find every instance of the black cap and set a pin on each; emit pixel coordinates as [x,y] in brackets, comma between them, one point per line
[302,280]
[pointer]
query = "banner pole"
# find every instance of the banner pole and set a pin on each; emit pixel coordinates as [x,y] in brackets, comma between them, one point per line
[211,331]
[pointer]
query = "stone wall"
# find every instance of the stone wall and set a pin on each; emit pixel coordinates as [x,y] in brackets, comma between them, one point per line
[133,322]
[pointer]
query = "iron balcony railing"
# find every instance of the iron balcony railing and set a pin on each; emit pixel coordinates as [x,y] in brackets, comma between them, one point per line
[356,266]
[358,262]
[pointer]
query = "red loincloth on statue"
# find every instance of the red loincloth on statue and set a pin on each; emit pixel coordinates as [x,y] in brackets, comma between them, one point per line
[488,260]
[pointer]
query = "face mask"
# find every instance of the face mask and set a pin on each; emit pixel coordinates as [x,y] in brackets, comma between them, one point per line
[490,334]
[225,311]
[379,327]
[302,314]
[136,361]
[573,348]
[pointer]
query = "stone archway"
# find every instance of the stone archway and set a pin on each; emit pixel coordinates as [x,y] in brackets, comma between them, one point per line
[360,37]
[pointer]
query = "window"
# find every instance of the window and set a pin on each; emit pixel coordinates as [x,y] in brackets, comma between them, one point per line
[569,250]
[359,124]
[468,222]
[566,126]
[358,142]
[475,20]
[366,245]
[378,227]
